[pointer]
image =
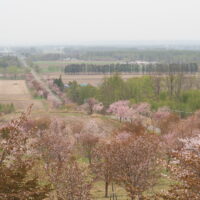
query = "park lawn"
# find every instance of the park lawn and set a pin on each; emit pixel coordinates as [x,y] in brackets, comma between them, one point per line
[98,192]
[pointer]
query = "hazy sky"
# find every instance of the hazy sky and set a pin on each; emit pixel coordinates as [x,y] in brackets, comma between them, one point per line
[72,21]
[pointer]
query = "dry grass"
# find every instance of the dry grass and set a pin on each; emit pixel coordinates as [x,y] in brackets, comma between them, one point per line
[16,92]
[89,79]
[98,191]
[14,89]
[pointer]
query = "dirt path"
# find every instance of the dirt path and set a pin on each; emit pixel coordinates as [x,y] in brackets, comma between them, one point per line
[37,77]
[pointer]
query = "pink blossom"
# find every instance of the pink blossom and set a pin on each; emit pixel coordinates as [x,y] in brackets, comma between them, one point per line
[98,107]
[143,108]
[40,93]
[123,136]
[119,108]
[162,113]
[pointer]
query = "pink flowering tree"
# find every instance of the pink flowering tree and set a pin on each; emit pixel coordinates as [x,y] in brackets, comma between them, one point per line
[88,138]
[53,101]
[56,149]
[165,120]
[88,141]
[119,109]
[98,107]
[128,159]
[122,136]
[169,143]
[123,111]
[185,170]
[93,105]
[162,113]
[143,108]
[138,112]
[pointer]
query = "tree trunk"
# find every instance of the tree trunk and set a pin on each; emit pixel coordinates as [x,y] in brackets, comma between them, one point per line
[106,189]
[90,158]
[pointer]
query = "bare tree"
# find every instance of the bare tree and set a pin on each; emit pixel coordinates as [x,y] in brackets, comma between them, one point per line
[174,79]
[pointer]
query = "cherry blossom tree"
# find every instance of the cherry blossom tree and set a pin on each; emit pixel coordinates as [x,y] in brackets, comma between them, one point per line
[36,86]
[129,159]
[185,169]
[75,182]
[138,112]
[162,113]
[92,105]
[102,165]
[98,107]
[182,144]
[165,120]
[135,163]
[68,178]
[88,138]
[131,113]
[17,159]
[119,109]
[88,142]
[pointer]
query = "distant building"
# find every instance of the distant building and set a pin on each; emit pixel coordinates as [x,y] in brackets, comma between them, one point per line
[66,85]
[140,62]
[7,52]
[83,84]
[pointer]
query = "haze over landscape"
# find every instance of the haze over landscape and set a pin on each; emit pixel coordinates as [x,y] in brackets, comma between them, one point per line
[92,21]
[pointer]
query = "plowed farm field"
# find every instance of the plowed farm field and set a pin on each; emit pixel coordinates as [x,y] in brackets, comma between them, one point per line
[16,92]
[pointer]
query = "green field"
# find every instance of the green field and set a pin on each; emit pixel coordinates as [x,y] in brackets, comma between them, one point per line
[58,66]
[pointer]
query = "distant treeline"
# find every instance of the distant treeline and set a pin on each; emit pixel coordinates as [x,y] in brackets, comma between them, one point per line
[119,54]
[8,61]
[46,57]
[130,68]
[10,68]
[132,54]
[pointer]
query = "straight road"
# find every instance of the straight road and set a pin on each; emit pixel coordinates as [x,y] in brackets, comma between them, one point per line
[37,78]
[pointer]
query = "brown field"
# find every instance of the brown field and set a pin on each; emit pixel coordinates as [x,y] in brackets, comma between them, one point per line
[16,92]
[63,63]
[89,79]
[97,79]
[53,69]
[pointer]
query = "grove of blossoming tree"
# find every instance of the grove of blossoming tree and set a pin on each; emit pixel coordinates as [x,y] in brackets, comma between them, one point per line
[17,159]
[130,160]
[126,112]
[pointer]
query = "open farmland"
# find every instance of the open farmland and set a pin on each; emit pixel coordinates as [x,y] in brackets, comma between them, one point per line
[62,63]
[94,80]
[53,69]
[97,79]
[16,92]
[52,66]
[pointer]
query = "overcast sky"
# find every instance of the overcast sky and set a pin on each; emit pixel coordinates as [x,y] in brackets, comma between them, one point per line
[31,22]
